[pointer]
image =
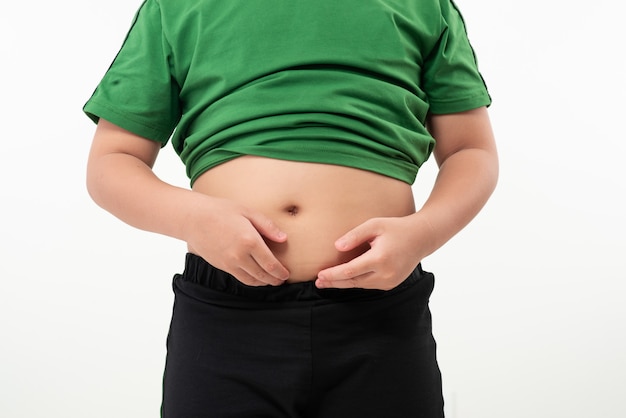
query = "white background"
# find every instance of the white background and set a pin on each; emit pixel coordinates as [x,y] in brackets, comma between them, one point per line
[528,307]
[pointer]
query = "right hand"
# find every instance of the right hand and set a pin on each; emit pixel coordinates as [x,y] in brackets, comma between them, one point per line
[229,236]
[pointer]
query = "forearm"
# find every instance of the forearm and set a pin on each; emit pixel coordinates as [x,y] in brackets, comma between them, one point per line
[465,181]
[126,187]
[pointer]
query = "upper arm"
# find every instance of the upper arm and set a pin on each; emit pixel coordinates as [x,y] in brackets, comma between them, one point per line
[455,132]
[111,139]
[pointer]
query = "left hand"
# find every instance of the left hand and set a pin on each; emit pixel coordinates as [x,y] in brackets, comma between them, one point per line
[397,245]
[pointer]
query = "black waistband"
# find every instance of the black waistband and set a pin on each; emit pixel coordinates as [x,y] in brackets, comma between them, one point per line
[198,271]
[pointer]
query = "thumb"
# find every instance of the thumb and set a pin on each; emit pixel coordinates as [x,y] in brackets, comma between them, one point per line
[266,227]
[359,235]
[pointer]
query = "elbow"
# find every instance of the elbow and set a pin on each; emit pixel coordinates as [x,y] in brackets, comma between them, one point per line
[494,169]
[92,190]
[495,166]
[94,183]
[489,170]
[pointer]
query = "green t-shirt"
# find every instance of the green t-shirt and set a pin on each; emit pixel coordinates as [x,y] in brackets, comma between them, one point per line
[346,82]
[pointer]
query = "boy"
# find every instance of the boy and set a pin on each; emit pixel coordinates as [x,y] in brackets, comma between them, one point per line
[302,126]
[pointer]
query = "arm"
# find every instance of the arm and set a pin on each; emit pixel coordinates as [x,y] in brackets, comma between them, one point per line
[468,170]
[120,179]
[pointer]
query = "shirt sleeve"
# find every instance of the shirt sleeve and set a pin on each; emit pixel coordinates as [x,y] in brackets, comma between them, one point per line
[138,92]
[451,78]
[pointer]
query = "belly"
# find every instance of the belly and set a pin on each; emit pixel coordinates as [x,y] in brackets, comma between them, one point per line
[313,203]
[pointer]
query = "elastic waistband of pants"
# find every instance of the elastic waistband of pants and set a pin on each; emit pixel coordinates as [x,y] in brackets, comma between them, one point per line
[198,271]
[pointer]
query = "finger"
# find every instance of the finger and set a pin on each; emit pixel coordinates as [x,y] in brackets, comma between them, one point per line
[359,282]
[345,275]
[361,234]
[247,279]
[252,272]
[265,263]
[266,227]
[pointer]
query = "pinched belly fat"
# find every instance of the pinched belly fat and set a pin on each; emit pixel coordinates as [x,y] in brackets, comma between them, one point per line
[314,204]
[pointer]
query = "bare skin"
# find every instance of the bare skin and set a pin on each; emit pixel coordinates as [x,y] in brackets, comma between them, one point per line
[268,222]
[314,204]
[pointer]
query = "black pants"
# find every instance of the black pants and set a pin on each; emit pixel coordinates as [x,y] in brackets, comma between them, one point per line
[297,351]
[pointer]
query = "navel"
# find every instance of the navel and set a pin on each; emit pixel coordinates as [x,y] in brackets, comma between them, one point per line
[292,210]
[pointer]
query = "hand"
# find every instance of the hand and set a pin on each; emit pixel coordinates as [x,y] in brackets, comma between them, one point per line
[230,237]
[397,245]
